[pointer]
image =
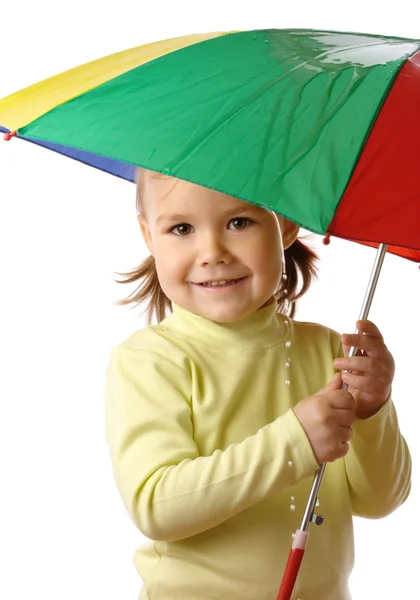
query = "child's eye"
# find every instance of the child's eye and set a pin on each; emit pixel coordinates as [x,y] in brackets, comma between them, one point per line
[240,223]
[181,229]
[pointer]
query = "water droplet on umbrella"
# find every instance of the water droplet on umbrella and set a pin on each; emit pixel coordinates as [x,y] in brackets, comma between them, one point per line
[292,507]
[293,536]
[284,276]
[287,364]
[290,463]
[317,502]
[266,41]
[287,382]
[288,344]
[289,359]
[166,171]
[292,499]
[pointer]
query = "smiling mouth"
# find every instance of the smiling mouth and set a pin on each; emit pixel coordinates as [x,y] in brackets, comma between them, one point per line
[221,282]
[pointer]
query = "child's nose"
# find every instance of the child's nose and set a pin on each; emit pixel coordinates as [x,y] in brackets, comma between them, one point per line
[213,250]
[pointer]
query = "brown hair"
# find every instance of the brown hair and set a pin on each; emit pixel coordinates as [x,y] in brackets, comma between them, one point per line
[300,263]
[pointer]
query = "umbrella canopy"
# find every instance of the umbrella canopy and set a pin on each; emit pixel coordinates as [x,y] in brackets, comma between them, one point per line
[320,126]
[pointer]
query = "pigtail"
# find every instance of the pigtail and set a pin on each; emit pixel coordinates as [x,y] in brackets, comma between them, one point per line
[300,264]
[149,291]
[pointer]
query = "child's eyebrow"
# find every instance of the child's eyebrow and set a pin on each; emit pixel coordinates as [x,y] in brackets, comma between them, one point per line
[169,217]
[242,209]
[185,217]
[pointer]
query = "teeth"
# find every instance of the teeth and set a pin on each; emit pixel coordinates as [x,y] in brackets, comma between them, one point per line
[216,283]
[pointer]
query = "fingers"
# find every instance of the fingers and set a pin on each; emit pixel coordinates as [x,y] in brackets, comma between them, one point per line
[367,385]
[339,449]
[343,437]
[364,365]
[372,346]
[345,447]
[369,328]
[335,384]
[347,434]
[341,399]
[373,358]
[344,417]
[327,418]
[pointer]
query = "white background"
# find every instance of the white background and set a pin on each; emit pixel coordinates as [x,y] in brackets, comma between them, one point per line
[65,230]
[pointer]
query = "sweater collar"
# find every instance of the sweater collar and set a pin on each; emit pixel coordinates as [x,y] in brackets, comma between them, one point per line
[263,327]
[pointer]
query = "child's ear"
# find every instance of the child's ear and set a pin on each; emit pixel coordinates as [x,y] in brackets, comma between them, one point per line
[290,233]
[145,231]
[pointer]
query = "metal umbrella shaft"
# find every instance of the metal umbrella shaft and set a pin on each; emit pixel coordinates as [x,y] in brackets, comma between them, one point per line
[301,536]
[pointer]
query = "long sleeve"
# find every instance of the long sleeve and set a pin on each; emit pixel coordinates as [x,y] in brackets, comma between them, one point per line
[169,490]
[378,465]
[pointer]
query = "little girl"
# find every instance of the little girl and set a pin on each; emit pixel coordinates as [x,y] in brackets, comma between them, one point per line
[219,415]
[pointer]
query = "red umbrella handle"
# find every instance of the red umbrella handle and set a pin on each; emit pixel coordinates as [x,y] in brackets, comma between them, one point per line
[293,565]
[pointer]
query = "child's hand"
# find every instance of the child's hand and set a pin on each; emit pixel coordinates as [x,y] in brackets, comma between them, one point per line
[326,418]
[372,369]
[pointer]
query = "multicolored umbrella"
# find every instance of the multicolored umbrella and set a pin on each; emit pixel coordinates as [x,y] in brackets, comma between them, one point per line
[321,127]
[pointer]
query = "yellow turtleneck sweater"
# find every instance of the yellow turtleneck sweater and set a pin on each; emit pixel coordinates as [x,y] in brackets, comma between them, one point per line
[215,469]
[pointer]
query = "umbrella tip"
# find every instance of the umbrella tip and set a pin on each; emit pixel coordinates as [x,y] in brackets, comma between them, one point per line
[327,239]
[8,136]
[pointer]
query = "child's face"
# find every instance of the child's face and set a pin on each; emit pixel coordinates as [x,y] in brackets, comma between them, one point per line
[198,236]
